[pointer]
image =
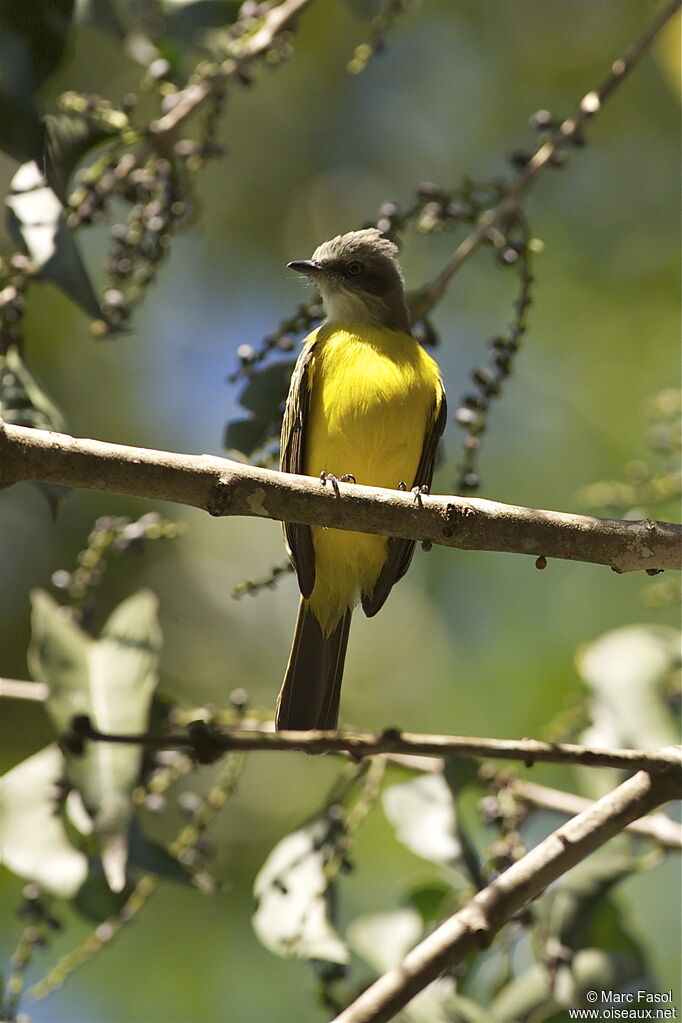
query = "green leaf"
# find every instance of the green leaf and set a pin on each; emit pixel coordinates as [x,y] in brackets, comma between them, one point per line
[422,813]
[58,656]
[152,858]
[626,671]
[603,969]
[568,910]
[530,995]
[267,389]
[36,219]
[112,680]
[22,401]
[608,931]
[383,940]
[461,776]
[95,899]
[263,397]
[21,127]
[429,900]
[68,137]
[244,436]
[34,842]
[33,37]
[293,914]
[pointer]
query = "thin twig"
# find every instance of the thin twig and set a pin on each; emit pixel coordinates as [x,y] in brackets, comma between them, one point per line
[20,689]
[475,925]
[207,743]
[658,826]
[224,487]
[191,99]
[569,130]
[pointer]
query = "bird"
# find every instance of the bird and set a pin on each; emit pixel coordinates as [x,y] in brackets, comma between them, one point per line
[366,404]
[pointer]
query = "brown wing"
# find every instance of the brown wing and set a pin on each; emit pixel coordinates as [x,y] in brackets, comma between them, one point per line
[400,551]
[298,538]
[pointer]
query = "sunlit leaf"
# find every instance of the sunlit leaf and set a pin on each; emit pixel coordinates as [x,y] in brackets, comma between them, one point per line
[423,816]
[123,676]
[36,219]
[383,940]
[111,679]
[59,657]
[33,839]
[626,671]
[293,917]
[531,995]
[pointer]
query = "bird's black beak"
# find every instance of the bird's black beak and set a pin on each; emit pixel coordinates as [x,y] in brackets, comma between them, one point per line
[305,266]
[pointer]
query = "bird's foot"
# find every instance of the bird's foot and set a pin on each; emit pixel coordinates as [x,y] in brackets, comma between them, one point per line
[419,492]
[328,477]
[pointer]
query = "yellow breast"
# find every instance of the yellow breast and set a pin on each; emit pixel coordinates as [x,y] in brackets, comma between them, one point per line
[373,396]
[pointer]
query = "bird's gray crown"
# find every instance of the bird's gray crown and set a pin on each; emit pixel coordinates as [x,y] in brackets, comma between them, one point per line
[371,246]
[359,279]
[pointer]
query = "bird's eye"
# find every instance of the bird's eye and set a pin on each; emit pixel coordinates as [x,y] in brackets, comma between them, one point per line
[354,268]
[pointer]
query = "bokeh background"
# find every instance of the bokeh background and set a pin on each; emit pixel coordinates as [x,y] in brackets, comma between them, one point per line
[472,643]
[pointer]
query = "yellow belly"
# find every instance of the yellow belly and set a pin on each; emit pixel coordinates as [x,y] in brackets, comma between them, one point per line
[373,398]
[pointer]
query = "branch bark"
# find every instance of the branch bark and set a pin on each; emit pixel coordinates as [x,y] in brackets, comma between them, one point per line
[224,487]
[206,743]
[475,925]
[657,827]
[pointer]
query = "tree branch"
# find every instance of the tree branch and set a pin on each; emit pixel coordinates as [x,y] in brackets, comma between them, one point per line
[475,925]
[567,132]
[19,689]
[224,487]
[192,98]
[207,743]
[658,827]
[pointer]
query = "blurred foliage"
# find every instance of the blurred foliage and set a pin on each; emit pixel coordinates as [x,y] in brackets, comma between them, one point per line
[96,206]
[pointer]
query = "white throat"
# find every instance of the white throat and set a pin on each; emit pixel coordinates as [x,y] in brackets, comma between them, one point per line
[342,306]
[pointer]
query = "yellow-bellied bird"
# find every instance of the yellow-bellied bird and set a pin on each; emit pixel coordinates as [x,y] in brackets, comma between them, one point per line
[366,402]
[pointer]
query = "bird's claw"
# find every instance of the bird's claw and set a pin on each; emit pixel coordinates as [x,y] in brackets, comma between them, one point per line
[419,492]
[329,477]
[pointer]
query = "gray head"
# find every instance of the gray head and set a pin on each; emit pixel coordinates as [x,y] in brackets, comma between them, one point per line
[359,279]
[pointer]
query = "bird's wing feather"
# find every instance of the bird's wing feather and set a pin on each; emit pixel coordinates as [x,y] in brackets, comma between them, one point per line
[399,552]
[298,537]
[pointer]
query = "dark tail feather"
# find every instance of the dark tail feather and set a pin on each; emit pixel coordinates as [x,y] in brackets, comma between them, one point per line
[309,697]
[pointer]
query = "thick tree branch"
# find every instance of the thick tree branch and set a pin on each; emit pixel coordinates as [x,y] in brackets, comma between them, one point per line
[207,743]
[475,925]
[224,487]
[567,132]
